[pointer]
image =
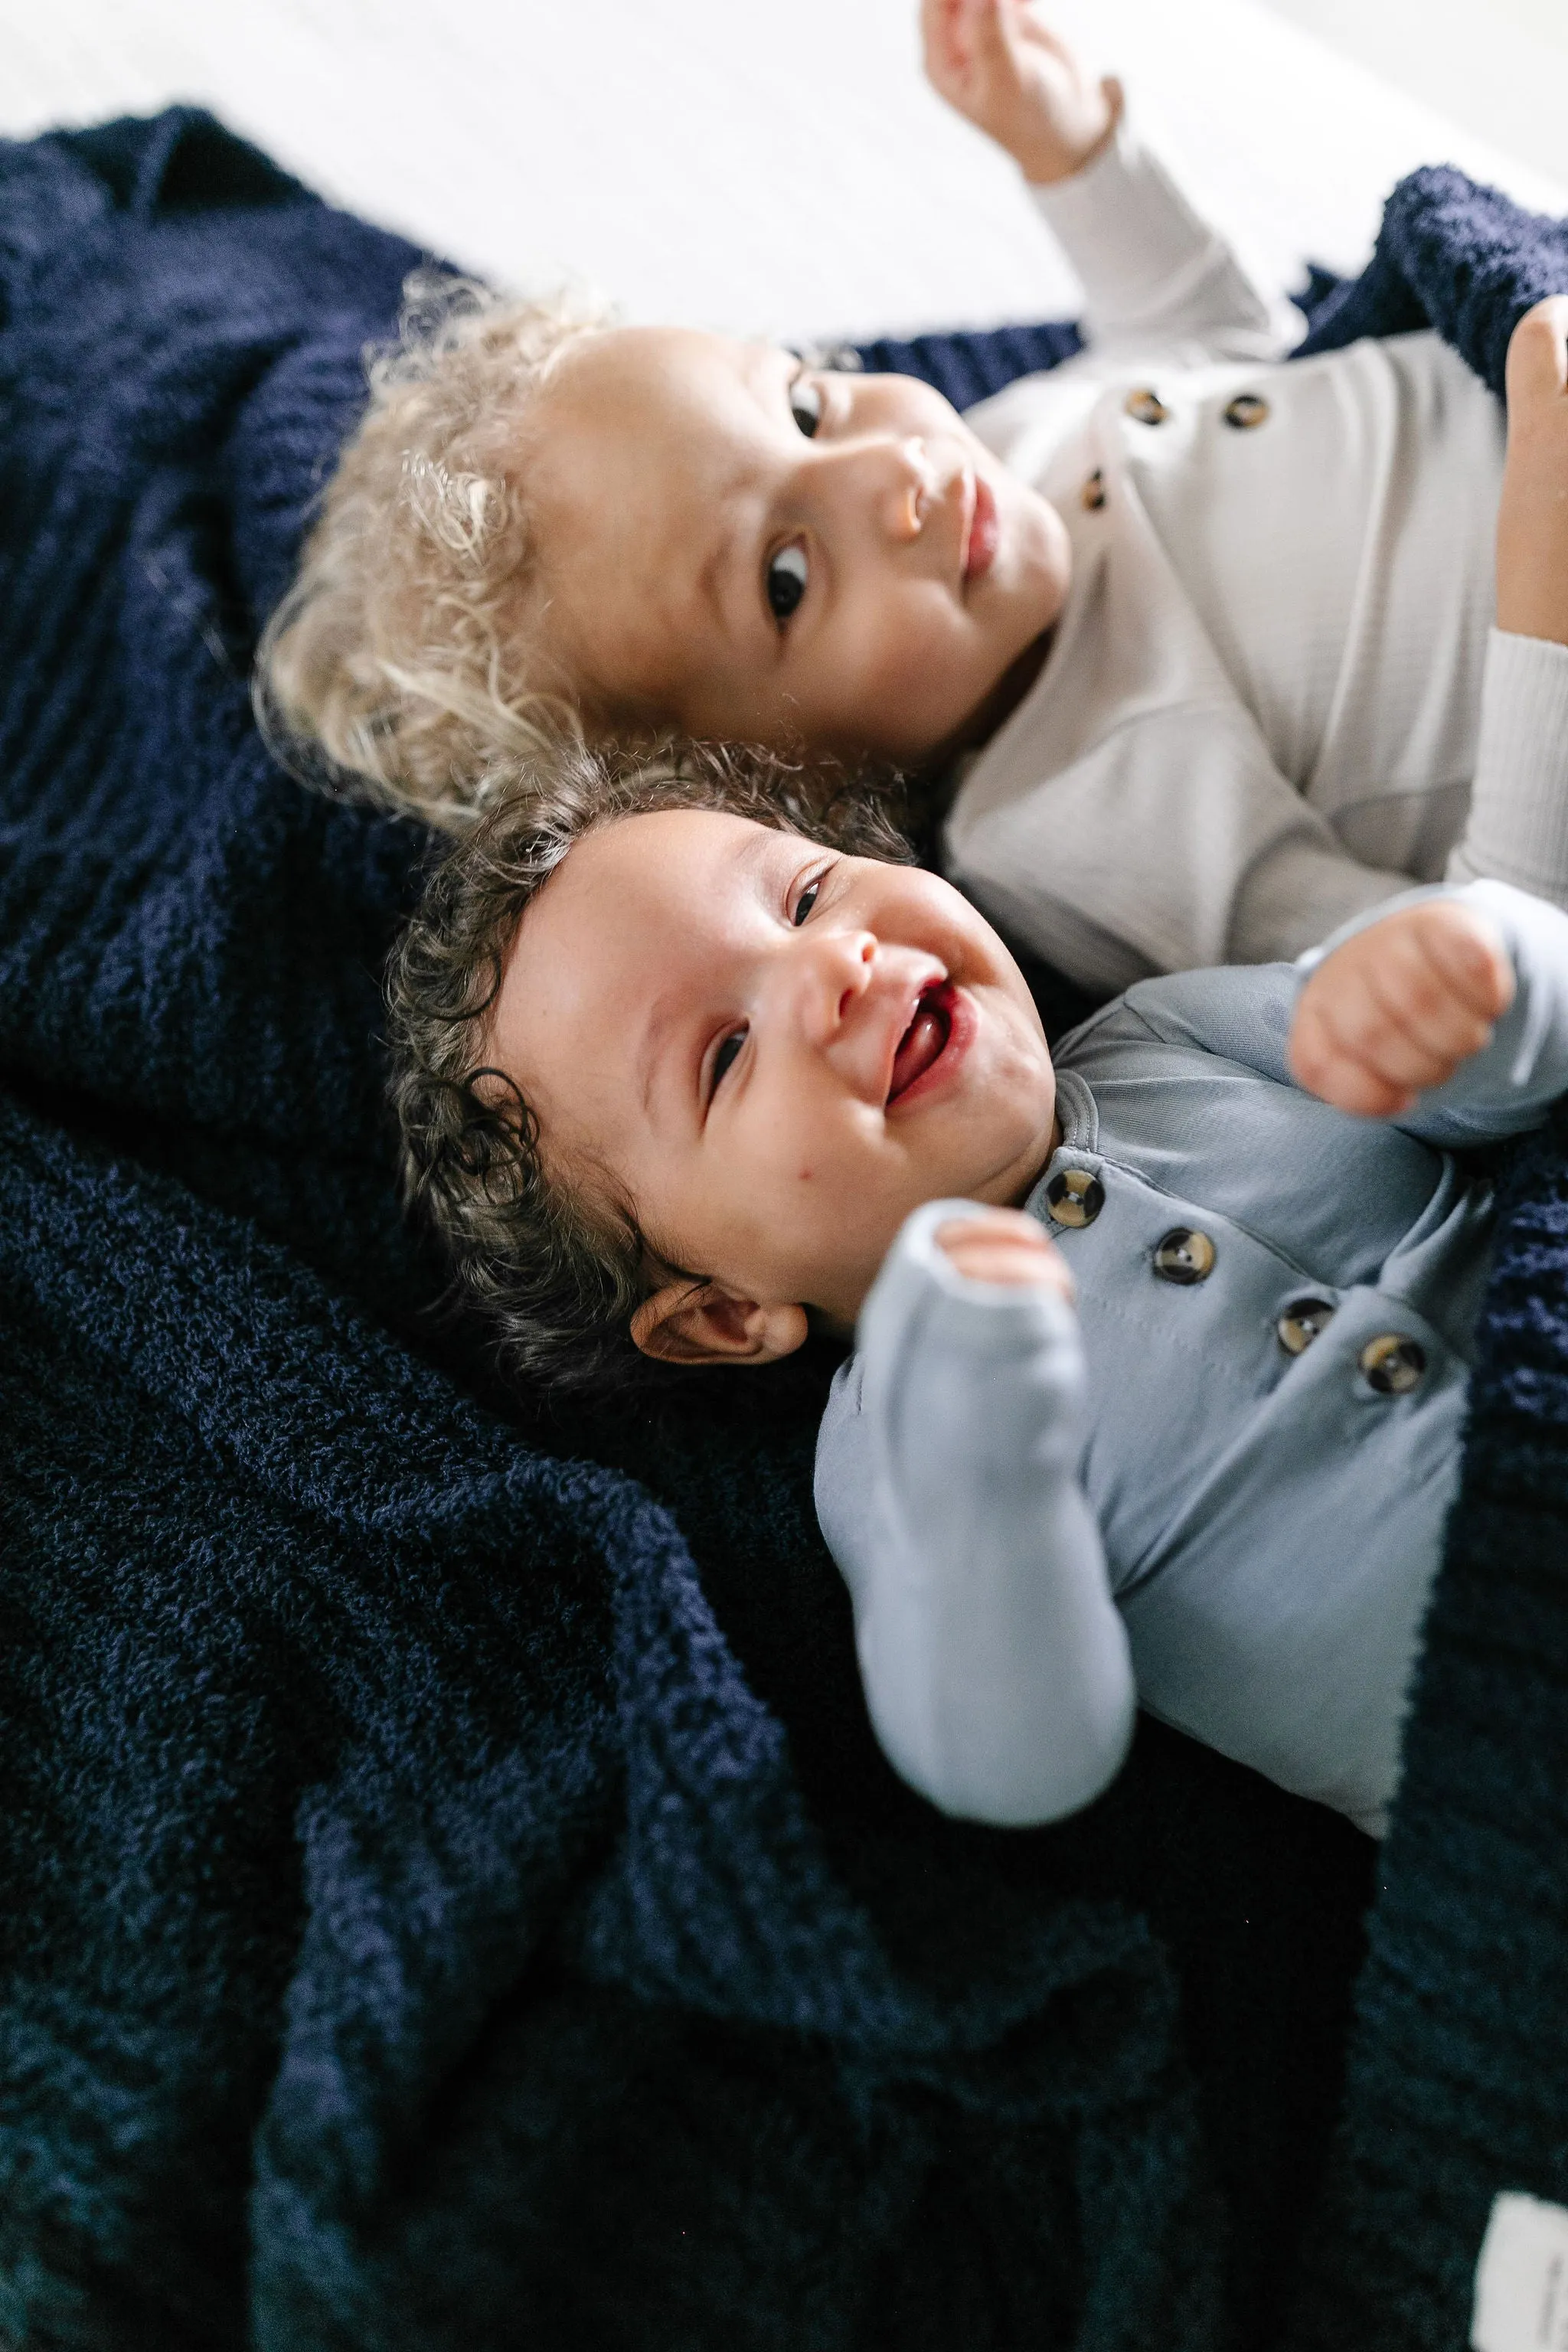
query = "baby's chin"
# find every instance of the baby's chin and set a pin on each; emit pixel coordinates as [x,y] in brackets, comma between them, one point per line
[1019,604]
[1035,558]
[1000,1135]
[1000,699]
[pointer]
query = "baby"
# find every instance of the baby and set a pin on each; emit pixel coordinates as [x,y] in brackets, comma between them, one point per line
[1198,645]
[682,1071]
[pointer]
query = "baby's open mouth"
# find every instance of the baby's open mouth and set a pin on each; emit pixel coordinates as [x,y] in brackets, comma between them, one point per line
[925,1040]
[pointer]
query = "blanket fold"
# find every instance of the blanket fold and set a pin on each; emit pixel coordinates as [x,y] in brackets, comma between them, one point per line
[453,1897]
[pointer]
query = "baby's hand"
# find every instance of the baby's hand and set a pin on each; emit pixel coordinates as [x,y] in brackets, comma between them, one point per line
[999,66]
[1533,514]
[1399,1007]
[1007,1246]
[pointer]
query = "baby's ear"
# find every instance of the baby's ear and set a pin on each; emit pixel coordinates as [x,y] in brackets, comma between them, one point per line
[702,1323]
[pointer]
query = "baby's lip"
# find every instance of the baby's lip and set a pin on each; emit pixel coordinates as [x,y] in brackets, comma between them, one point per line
[980,527]
[930,1042]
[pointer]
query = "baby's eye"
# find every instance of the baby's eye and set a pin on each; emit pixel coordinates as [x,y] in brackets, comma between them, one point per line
[806,405]
[725,1058]
[786,578]
[806,900]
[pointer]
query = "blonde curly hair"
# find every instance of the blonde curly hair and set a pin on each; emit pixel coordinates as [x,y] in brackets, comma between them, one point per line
[399,668]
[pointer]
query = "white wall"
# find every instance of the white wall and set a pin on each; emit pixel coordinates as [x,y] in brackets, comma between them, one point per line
[769,165]
[1498,66]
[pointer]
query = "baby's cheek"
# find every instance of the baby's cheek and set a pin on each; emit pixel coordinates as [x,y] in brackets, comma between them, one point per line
[929,670]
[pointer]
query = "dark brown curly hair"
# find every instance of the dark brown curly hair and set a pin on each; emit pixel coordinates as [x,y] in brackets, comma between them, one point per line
[556,1271]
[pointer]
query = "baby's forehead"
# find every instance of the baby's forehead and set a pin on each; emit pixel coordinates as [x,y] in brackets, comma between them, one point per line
[647,449]
[646,883]
[629,932]
[662,860]
[651,365]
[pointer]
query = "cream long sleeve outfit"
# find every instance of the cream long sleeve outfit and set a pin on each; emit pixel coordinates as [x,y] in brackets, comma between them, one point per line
[1274,697]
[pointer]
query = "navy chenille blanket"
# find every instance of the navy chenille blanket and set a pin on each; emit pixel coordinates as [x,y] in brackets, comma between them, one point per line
[451,1898]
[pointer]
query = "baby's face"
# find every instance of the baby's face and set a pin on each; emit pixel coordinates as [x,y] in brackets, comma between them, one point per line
[753,550]
[772,1051]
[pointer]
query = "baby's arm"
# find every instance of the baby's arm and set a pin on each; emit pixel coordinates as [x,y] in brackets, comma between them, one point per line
[1450,1015]
[993,1657]
[1533,514]
[1158,281]
[1518,827]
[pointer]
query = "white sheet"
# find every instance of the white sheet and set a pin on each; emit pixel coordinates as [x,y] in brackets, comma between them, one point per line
[771,166]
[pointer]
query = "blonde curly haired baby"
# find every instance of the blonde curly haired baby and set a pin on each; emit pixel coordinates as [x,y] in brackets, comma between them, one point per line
[1204,655]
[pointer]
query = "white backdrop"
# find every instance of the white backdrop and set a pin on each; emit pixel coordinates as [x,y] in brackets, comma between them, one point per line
[767,165]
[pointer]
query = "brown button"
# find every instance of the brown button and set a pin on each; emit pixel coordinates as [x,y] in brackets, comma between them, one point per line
[1183,1256]
[1301,1324]
[1093,494]
[1392,1364]
[1247,411]
[1074,1197]
[1144,407]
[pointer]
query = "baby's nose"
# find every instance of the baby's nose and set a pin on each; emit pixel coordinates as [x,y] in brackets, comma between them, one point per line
[842,973]
[911,486]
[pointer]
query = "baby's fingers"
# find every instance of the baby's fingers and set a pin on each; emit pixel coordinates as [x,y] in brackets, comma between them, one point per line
[1432,992]
[1339,1052]
[1532,512]
[1538,357]
[968,59]
[942,52]
[959,43]
[993,32]
[942,40]
[1400,1006]
[1020,22]
[1005,1247]
[1465,951]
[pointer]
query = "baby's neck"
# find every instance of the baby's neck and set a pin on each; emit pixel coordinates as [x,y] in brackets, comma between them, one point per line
[1001,702]
[1052,1148]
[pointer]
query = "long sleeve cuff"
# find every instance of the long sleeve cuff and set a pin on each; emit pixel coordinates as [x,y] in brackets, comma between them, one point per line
[919,1285]
[994,1659]
[1518,829]
[1155,274]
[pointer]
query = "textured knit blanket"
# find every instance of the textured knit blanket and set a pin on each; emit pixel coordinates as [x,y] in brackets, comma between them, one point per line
[451,1897]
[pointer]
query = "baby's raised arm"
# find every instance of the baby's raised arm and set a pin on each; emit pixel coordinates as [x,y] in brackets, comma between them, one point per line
[1533,514]
[1518,827]
[994,1660]
[1158,280]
